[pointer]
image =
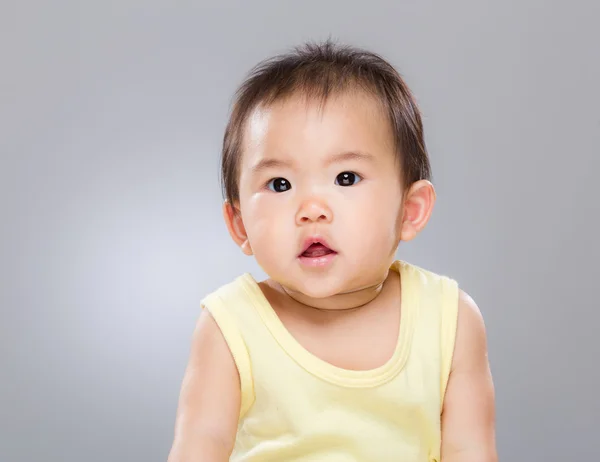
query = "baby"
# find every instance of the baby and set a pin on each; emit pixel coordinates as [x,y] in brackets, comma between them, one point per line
[344,353]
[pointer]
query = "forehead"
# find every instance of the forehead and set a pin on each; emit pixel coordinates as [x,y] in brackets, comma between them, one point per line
[350,121]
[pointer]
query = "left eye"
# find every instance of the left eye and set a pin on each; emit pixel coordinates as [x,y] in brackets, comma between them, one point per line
[347,179]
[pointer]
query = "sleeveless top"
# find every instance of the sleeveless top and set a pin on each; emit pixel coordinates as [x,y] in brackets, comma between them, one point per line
[297,407]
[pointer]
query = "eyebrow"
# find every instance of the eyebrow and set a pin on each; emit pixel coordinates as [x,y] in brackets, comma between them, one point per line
[350,155]
[266,164]
[270,163]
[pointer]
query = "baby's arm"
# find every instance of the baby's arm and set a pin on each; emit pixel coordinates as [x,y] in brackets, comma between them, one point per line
[209,401]
[468,416]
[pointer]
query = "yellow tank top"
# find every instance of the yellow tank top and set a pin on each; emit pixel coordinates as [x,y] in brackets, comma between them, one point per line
[297,407]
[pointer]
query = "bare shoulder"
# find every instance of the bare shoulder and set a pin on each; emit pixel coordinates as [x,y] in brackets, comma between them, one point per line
[209,399]
[471,336]
[468,416]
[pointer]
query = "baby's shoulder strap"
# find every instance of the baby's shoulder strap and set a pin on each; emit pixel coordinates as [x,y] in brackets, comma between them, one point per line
[437,319]
[230,307]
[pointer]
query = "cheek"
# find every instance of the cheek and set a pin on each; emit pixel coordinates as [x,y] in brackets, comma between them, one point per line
[374,218]
[265,222]
[380,205]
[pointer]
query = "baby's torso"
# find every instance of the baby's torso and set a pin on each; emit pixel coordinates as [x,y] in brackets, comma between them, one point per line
[362,386]
[362,338]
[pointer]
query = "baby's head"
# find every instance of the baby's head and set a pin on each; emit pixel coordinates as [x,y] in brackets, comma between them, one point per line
[325,169]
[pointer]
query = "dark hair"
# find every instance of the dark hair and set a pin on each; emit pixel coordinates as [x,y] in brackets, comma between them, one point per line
[317,70]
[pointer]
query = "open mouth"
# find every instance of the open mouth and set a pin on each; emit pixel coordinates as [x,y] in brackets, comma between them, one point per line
[316,253]
[316,250]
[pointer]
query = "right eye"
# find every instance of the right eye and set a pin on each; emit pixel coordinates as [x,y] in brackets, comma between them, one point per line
[279,185]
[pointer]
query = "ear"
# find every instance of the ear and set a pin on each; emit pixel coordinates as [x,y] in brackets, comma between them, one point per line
[235,226]
[418,205]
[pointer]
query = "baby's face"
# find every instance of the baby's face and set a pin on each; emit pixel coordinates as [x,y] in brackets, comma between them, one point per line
[331,177]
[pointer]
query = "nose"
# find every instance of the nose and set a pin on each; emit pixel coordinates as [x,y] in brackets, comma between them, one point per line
[313,211]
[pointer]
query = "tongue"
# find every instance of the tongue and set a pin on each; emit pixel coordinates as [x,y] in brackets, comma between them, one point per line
[316,250]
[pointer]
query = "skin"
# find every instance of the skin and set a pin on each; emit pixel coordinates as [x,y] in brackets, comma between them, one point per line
[350,298]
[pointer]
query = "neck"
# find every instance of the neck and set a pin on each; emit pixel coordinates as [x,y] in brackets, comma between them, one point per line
[344,301]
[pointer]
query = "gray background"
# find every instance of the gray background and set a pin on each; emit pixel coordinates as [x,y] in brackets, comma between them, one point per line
[111,118]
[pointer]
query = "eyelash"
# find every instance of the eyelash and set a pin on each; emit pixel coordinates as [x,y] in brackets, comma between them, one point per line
[357,175]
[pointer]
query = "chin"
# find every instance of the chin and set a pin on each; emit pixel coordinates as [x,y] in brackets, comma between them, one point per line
[314,284]
[317,286]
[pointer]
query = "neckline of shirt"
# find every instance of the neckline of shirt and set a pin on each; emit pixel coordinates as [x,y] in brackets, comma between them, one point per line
[327,371]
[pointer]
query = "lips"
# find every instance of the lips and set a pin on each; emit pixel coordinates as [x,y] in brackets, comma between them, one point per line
[316,250]
[316,247]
